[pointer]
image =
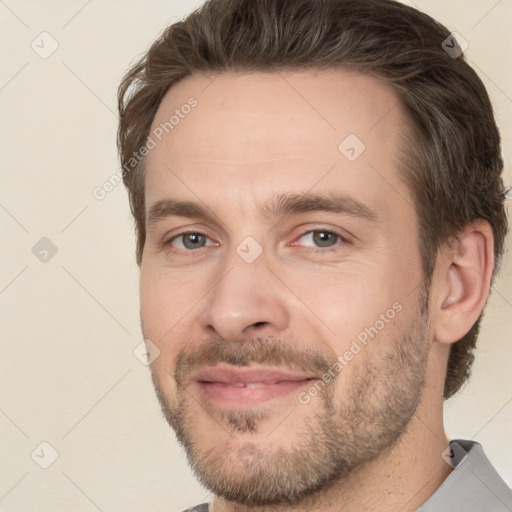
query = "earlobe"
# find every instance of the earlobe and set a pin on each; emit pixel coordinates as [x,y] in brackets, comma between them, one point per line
[463,277]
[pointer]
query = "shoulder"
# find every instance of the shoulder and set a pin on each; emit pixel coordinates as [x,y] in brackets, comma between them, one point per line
[472,486]
[198,508]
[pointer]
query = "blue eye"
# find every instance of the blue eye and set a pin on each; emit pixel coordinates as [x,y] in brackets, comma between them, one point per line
[317,240]
[320,238]
[190,241]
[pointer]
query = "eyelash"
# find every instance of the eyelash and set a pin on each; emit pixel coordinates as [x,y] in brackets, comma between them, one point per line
[323,250]
[342,240]
[185,233]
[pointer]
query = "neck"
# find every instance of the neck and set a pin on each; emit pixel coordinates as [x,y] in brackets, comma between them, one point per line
[401,478]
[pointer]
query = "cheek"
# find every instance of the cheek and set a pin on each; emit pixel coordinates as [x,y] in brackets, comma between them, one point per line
[345,299]
[167,297]
[163,314]
[360,302]
[155,304]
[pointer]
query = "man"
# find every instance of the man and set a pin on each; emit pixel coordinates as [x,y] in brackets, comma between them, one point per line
[319,210]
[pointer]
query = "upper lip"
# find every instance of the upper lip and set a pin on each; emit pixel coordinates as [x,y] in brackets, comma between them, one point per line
[233,375]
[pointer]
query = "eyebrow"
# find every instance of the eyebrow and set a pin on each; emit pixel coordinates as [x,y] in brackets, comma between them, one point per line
[283,204]
[279,205]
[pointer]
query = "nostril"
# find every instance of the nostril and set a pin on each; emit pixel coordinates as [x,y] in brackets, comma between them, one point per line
[257,324]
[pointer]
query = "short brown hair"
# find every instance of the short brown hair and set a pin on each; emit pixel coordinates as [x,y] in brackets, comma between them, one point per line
[454,159]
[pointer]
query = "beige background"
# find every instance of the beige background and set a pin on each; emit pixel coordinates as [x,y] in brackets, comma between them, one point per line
[68,375]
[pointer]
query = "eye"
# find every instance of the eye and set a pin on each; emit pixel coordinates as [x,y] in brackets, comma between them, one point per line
[190,241]
[320,238]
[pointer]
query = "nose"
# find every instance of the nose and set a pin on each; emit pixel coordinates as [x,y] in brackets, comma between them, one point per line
[247,300]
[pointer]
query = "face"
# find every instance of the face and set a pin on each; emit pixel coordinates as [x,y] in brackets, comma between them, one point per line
[281,279]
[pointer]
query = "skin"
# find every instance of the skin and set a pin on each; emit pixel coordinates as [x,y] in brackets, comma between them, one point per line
[254,136]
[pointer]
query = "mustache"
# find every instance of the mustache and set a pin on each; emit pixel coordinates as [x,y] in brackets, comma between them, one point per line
[262,350]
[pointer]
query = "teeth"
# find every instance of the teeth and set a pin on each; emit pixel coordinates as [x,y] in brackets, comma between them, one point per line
[250,385]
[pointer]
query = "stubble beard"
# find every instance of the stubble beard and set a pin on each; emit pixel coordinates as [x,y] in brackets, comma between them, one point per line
[347,428]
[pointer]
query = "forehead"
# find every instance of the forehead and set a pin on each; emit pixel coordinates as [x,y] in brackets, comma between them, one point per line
[281,130]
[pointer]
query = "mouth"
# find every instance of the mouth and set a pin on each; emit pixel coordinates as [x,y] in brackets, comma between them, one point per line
[246,387]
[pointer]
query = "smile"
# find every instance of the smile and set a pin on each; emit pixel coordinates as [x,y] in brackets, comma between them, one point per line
[247,387]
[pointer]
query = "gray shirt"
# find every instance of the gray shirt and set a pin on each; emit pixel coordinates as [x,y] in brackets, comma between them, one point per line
[473,485]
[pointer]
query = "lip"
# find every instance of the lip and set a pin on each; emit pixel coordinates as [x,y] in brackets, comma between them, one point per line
[244,387]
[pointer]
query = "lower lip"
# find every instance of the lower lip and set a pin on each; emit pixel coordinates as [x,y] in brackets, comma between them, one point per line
[246,396]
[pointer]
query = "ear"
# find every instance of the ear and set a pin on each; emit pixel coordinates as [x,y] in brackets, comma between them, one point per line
[462,279]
